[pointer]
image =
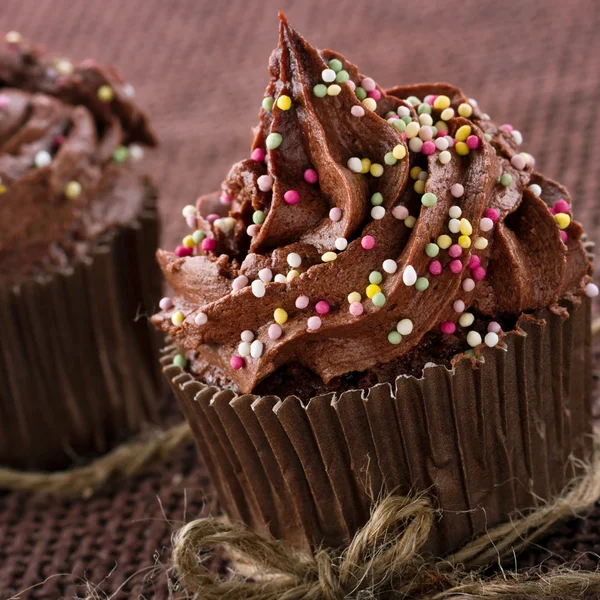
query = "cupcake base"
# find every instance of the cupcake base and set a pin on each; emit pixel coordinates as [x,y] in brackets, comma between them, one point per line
[77,353]
[487,439]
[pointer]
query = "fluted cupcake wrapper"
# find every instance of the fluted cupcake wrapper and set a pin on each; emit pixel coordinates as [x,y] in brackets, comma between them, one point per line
[482,442]
[77,354]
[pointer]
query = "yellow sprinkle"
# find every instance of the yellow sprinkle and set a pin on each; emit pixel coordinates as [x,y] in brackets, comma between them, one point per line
[399,151]
[464,241]
[370,104]
[481,243]
[106,93]
[410,221]
[419,186]
[412,130]
[177,318]
[329,257]
[73,190]
[335,89]
[354,297]
[188,241]
[366,165]
[441,102]
[463,133]
[372,290]
[2,189]
[444,241]
[465,110]
[440,125]
[563,220]
[414,172]
[461,148]
[447,114]
[526,157]
[280,316]
[284,102]
[292,274]
[465,227]
[376,170]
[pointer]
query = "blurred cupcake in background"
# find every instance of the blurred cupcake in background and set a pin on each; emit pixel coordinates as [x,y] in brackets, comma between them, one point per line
[77,236]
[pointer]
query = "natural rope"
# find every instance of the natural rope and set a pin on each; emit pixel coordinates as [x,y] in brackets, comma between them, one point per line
[384,559]
[124,461]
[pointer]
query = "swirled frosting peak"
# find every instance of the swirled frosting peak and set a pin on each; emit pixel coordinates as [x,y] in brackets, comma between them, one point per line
[369,227]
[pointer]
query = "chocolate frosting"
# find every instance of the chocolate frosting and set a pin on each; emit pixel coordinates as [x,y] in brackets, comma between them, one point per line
[512,253]
[66,132]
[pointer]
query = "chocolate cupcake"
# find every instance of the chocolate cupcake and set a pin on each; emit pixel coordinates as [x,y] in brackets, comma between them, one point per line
[384,298]
[77,272]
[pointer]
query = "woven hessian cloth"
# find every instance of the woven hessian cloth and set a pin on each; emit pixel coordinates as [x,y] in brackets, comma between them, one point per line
[200,68]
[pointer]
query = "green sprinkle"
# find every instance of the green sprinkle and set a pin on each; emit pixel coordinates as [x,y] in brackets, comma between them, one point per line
[394,337]
[399,124]
[121,154]
[375,277]
[488,137]
[378,299]
[335,65]
[320,90]
[179,360]
[422,284]
[376,199]
[258,217]
[407,119]
[389,159]
[428,199]
[432,250]
[413,100]
[267,103]
[361,93]
[424,109]
[274,141]
[506,179]
[198,236]
[470,352]
[342,76]
[390,113]
[434,130]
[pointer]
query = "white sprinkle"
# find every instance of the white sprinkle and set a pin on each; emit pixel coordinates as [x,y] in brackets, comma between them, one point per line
[313,323]
[491,339]
[274,331]
[473,339]
[239,283]
[405,326]
[42,159]
[486,224]
[400,212]
[458,306]
[517,136]
[351,84]
[244,349]
[166,303]
[341,243]
[466,319]
[226,224]
[445,157]
[457,190]
[426,121]
[335,214]
[354,164]
[247,336]
[468,285]
[294,259]
[328,75]
[334,90]
[390,266]
[256,349]
[302,302]
[536,189]
[200,318]
[357,111]
[441,143]
[473,102]
[494,327]
[265,275]
[409,275]
[128,90]
[415,144]
[455,212]
[253,229]
[258,288]
[378,212]
[485,116]
[591,290]
[450,140]
[518,162]
[279,278]
[136,152]
[368,84]
[265,183]
[454,225]
[403,111]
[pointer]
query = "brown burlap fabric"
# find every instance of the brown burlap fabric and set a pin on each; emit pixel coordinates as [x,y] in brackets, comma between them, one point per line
[200,67]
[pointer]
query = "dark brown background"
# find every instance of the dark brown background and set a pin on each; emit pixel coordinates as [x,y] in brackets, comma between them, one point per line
[200,67]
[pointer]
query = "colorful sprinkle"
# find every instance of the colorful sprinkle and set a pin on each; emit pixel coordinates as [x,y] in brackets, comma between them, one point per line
[479,273]
[284,102]
[473,339]
[322,307]
[236,362]
[462,133]
[279,278]
[444,241]
[458,306]
[311,176]
[314,323]
[457,190]
[410,221]
[400,212]
[435,267]
[394,337]
[481,243]
[367,242]
[177,318]
[73,190]
[357,111]
[201,318]
[244,349]
[591,290]
[445,157]
[432,250]
[302,302]
[375,277]
[274,332]
[376,170]
[182,251]
[378,212]
[105,93]
[328,75]
[422,284]
[563,220]
[405,327]
[267,103]
[256,349]
[466,319]
[208,244]
[292,275]
[455,266]
[335,214]
[370,104]
[320,90]
[239,283]
[165,303]
[334,90]
[280,316]
[356,309]
[494,327]
[468,285]
[329,257]
[372,290]
[341,243]
[258,288]
[390,266]
[294,259]
[265,183]
[473,142]
[535,189]
[448,327]
[258,217]
[258,154]
[465,110]
[562,206]
[273,141]
[428,199]
[506,179]
[291,197]
[409,275]
[179,360]
[491,339]
[355,164]
[335,65]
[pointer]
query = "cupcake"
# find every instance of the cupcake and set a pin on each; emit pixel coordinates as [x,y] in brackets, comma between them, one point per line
[77,272]
[385,298]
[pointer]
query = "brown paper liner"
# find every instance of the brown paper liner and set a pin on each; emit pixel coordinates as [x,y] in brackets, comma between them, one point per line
[487,439]
[77,354]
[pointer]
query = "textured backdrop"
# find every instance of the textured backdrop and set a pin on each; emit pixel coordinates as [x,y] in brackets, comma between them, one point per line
[200,67]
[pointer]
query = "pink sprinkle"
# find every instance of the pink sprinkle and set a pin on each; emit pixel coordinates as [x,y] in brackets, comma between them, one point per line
[494,327]
[311,176]
[518,162]
[450,141]
[390,119]
[356,309]
[253,229]
[440,133]
[182,251]
[274,331]
[239,283]
[314,323]
[506,127]
[225,198]
[302,302]
[403,136]
[429,99]
[473,142]
[457,190]
[4,100]
[459,306]
[478,273]
[258,155]
[322,307]
[492,213]
[468,285]
[400,212]
[455,251]
[58,141]
[367,242]
[166,303]
[212,218]
[428,148]
[456,266]
[367,84]
[335,214]
[448,327]
[562,206]
[208,244]
[563,236]
[190,221]
[236,362]
[375,94]
[552,210]
[291,197]
[88,63]
[357,111]
[474,262]
[435,267]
